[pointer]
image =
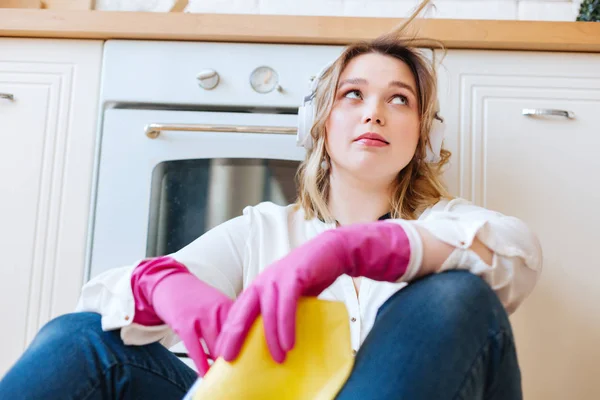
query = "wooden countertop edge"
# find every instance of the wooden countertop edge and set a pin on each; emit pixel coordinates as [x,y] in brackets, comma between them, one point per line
[456,34]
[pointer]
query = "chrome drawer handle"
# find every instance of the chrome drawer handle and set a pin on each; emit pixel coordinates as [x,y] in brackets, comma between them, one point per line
[548,111]
[7,96]
[154,130]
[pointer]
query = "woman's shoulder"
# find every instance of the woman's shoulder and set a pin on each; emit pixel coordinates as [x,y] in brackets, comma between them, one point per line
[274,213]
[282,227]
[270,208]
[455,205]
[444,204]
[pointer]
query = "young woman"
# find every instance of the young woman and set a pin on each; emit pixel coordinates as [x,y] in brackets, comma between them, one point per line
[428,280]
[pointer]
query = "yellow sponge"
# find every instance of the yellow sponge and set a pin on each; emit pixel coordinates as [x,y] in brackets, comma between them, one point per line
[316,368]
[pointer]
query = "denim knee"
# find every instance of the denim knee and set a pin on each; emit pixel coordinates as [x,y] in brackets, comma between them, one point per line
[452,298]
[65,328]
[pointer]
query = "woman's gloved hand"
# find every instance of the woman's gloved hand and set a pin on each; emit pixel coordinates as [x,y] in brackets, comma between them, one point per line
[165,291]
[379,251]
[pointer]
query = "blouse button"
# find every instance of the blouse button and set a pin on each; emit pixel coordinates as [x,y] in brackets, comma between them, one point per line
[353,319]
[127,318]
[353,352]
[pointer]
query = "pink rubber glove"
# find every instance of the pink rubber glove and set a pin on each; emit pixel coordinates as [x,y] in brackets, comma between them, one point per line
[165,291]
[379,251]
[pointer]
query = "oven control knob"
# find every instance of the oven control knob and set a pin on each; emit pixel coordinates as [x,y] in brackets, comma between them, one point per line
[208,79]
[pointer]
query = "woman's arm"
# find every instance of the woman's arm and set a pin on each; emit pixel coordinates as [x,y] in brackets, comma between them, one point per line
[500,249]
[216,258]
[435,252]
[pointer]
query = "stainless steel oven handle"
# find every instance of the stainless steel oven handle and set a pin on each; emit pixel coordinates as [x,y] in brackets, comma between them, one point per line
[154,130]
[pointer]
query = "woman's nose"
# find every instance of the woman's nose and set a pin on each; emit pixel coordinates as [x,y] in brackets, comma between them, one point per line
[373,114]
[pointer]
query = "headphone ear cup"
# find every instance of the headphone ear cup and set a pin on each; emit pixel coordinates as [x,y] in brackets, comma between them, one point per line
[301,134]
[306,113]
[434,145]
[306,116]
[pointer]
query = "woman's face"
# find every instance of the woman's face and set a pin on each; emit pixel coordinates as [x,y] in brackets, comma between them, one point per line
[373,128]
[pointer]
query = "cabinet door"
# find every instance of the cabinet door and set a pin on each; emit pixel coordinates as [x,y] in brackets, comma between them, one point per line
[47,136]
[543,170]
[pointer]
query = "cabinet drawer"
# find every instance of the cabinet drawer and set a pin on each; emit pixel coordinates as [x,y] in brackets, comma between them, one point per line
[26,122]
[46,157]
[541,169]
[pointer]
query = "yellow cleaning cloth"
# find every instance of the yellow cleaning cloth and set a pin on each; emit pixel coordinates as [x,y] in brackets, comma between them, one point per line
[315,369]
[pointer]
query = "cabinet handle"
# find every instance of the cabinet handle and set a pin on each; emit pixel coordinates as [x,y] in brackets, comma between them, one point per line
[153,130]
[7,96]
[548,111]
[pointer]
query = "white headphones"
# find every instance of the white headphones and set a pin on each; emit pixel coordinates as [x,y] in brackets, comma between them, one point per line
[306,118]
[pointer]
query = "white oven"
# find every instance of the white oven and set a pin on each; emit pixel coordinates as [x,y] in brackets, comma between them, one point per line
[161,187]
[190,134]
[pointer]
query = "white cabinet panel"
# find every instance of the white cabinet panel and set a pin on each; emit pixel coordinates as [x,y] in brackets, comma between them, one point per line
[543,170]
[47,136]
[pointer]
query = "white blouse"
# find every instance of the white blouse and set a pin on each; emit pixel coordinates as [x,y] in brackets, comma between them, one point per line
[232,254]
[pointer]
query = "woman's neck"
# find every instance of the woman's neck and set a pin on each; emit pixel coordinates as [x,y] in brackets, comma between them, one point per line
[353,201]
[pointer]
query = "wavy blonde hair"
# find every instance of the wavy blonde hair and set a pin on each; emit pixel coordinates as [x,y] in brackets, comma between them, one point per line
[418,185]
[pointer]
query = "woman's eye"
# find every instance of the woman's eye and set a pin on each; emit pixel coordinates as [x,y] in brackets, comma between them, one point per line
[399,99]
[353,94]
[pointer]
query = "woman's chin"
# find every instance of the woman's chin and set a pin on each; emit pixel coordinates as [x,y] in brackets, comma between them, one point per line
[372,172]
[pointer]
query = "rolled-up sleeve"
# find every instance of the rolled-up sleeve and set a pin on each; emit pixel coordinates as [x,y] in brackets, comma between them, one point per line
[517,254]
[110,295]
[217,258]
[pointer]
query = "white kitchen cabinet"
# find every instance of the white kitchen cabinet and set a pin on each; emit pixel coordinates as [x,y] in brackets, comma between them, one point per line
[544,171]
[47,136]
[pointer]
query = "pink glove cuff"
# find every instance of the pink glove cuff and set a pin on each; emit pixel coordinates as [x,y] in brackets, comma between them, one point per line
[144,279]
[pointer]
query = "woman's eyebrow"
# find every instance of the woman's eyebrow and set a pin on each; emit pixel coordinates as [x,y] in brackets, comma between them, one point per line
[353,81]
[362,81]
[404,86]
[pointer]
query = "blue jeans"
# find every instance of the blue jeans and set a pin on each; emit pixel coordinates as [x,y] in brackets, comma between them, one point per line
[445,336]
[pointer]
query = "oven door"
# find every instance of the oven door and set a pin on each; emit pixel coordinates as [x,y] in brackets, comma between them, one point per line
[161,186]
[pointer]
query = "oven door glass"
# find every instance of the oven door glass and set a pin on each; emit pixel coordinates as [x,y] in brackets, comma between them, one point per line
[189,197]
[155,196]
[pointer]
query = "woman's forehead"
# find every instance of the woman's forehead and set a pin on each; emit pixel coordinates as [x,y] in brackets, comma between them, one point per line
[377,68]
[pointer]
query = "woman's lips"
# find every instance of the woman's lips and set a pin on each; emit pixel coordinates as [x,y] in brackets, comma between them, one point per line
[372,139]
[372,142]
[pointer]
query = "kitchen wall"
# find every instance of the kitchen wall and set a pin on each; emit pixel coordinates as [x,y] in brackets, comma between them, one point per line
[544,10]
